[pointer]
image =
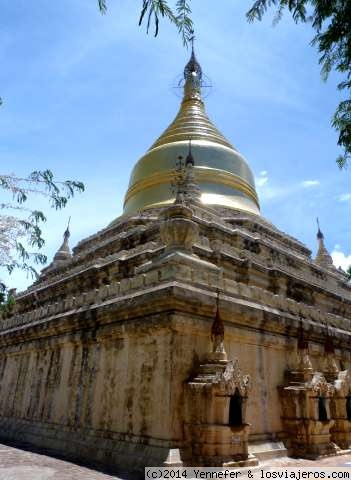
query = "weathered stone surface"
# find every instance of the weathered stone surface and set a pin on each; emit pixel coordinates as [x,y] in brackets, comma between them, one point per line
[96,358]
[215,428]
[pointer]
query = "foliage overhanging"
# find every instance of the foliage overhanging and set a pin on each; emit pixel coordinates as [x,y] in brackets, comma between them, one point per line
[330,19]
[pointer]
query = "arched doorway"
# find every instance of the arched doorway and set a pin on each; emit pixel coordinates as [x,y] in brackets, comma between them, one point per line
[322,410]
[236,409]
[348,407]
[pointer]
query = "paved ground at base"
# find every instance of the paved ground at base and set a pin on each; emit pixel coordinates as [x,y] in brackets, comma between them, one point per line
[336,461]
[19,464]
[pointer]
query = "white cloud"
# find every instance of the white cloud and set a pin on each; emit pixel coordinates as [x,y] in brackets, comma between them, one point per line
[268,190]
[310,183]
[262,178]
[261,181]
[345,197]
[340,259]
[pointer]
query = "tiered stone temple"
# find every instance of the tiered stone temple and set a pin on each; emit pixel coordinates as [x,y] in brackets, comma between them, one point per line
[173,336]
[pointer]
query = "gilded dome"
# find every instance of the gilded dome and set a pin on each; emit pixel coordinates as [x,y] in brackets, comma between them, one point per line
[223,175]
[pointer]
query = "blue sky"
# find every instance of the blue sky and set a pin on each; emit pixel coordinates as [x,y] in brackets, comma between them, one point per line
[86,95]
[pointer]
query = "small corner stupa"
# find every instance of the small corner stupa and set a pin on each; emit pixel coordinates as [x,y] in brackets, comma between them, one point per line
[190,331]
[323,257]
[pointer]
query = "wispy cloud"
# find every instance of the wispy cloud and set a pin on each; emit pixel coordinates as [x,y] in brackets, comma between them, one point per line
[268,190]
[310,183]
[262,179]
[265,190]
[340,259]
[345,197]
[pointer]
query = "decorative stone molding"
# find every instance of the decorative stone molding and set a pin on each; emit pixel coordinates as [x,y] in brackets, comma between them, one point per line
[320,387]
[307,414]
[231,286]
[216,427]
[331,369]
[178,231]
[341,410]
[119,287]
[218,352]
[343,384]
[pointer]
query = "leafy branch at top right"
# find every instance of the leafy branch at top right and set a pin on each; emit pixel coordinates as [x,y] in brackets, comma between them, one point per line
[331,20]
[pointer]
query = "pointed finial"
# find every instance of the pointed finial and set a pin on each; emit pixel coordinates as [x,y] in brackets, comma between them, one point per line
[319,233]
[323,257]
[217,335]
[331,367]
[217,328]
[302,342]
[217,302]
[178,184]
[190,159]
[67,233]
[192,190]
[192,39]
[329,343]
[64,251]
[193,68]
[304,362]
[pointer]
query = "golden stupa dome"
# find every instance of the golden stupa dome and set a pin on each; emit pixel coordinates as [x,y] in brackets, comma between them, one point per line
[222,174]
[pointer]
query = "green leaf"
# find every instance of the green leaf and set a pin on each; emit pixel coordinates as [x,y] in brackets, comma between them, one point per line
[102,6]
[331,20]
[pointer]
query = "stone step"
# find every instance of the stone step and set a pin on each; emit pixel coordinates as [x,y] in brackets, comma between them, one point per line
[267,450]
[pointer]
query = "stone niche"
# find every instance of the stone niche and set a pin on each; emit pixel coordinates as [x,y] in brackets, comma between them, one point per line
[306,405]
[216,427]
[341,410]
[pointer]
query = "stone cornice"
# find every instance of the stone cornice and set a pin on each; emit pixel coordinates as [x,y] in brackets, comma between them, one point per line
[156,291]
[219,243]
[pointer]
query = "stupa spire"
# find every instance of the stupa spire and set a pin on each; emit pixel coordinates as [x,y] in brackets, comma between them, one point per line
[221,173]
[192,77]
[64,252]
[323,258]
[304,362]
[331,368]
[187,188]
[189,159]
[218,352]
[192,120]
[320,235]
[193,67]
[192,189]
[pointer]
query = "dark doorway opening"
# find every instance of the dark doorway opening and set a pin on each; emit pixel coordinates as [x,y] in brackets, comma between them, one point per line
[236,409]
[322,410]
[348,407]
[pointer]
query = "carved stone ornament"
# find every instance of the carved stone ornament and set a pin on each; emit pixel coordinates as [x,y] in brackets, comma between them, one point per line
[231,379]
[320,386]
[178,231]
[217,338]
[341,411]
[330,364]
[216,400]
[343,384]
[304,362]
